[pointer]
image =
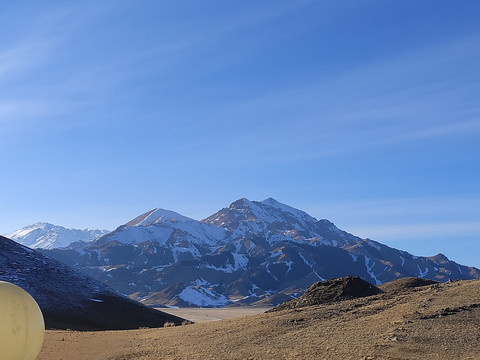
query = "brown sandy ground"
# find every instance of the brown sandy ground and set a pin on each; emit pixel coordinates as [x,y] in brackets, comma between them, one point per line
[199,315]
[430,322]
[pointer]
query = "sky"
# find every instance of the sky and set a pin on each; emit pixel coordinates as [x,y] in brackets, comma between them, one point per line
[363,112]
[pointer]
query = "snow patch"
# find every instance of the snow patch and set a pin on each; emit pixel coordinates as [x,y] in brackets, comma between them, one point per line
[369,270]
[321,278]
[372,244]
[271,274]
[201,296]
[289,265]
[304,260]
[240,262]
[421,273]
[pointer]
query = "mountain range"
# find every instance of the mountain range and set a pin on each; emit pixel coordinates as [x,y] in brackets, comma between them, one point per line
[43,235]
[251,252]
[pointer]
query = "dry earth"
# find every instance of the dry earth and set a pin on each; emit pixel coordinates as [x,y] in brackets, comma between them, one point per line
[439,321]
[200,315]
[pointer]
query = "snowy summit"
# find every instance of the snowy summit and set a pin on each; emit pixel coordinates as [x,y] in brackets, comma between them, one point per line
[48,236]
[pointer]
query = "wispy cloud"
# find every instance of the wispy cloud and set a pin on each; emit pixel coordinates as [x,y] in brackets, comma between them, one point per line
[36,88]
[395,100]
[417,96]
[18,109]
[22,57]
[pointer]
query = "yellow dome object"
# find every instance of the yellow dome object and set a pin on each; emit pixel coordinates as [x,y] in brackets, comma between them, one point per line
[21,324]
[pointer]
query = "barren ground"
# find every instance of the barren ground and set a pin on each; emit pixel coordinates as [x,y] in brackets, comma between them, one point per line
[200,315]
[431,322]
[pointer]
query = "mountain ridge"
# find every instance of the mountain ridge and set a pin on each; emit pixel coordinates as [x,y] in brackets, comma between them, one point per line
[156,215]
[48,236]
[249,252]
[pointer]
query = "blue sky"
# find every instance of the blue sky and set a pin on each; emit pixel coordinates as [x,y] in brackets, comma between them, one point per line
[366,113]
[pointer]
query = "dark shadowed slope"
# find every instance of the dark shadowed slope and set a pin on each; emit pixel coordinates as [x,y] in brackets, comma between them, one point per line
[69,299]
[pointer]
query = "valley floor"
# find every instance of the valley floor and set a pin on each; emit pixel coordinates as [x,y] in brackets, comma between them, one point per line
[431,322]
[200,315]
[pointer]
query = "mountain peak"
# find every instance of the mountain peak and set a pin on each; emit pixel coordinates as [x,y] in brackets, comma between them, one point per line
[40,225]
[269,205]
[270,217]
[287,209]
[48,236]
[439,258]
[240,204]
[271,201]
[157,216]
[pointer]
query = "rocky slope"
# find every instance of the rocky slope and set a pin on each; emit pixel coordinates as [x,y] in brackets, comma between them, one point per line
[332,290]
[72,300]
[250,252]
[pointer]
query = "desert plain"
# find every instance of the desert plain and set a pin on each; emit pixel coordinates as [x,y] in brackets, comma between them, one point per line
[435,321]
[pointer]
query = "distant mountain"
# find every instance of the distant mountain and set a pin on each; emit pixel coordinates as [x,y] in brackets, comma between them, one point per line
[69,299]
[250,252]
[43,235]
[275,222]
[156,216]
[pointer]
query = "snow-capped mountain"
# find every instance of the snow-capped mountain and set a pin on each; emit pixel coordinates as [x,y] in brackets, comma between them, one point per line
[156,216]
[249,252]
[276,222]
[43,235]
[69,299]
